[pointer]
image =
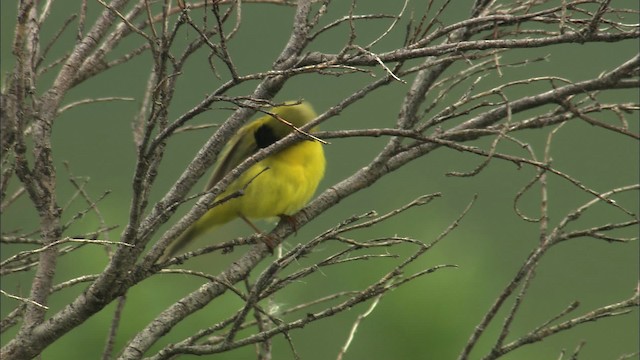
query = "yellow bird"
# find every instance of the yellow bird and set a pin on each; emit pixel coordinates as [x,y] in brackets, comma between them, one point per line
[279,185]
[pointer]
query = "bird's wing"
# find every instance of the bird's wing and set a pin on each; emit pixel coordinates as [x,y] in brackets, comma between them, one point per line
[241,146]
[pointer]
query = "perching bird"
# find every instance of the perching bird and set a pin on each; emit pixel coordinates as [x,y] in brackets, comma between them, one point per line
[279,185]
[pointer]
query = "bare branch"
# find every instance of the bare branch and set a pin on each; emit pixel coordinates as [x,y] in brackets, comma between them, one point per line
[447,78]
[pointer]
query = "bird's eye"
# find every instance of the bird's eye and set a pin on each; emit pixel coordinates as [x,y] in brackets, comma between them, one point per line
[265,136]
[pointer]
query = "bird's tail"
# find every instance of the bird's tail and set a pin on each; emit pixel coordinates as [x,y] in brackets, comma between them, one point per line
[183,240]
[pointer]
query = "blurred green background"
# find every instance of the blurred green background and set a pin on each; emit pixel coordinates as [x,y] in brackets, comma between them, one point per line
[430,318]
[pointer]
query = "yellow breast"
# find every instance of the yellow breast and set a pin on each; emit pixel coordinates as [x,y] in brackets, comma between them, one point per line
[291,179]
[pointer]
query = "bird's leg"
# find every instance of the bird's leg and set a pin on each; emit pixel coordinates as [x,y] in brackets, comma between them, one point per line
[266,239]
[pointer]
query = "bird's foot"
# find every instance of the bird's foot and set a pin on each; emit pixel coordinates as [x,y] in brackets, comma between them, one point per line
[291,221]
[270,241]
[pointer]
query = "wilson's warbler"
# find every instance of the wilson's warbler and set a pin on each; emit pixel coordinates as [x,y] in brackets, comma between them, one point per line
[279,185]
